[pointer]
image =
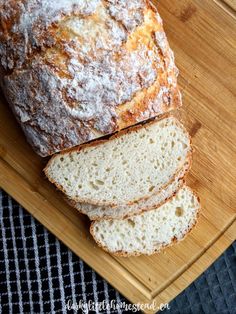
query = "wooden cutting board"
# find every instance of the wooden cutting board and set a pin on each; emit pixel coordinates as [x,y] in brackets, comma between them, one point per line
[203,36]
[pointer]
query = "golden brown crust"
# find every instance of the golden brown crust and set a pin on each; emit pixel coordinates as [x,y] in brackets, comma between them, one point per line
[30,27]
[71,97]
[136,254]
[101,141]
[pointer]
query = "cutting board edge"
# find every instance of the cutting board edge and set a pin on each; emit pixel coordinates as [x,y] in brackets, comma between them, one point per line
[205,260]
[148,296]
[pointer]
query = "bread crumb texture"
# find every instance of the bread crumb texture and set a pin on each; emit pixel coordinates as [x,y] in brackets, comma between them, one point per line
[127,168]
[95,212]
[151,231]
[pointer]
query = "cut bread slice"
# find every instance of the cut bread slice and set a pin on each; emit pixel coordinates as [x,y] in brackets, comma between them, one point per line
[96,212]
[130,166]
[150,231]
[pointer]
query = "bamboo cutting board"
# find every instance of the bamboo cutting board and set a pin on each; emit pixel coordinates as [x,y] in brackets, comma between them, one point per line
[203,36]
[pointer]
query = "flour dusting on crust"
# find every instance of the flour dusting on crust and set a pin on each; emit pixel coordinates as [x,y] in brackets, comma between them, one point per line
[129,13]
[77,69]
[25,24]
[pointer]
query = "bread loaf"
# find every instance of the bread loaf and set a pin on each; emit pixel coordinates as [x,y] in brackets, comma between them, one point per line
[76,70]
[95,212]
[128,167]
[150,232]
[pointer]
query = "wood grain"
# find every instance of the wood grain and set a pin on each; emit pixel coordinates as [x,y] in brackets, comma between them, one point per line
[205,52]
[231,3]
[228,5]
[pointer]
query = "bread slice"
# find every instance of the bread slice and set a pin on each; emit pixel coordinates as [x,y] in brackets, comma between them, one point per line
[130,166]
[95,212]
[151,231]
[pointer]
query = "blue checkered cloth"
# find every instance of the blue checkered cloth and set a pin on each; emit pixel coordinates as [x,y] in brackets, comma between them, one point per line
[38,274]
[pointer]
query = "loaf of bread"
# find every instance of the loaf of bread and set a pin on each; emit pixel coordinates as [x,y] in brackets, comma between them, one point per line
[95,212]
[151,231]
[126,168]
[76,70]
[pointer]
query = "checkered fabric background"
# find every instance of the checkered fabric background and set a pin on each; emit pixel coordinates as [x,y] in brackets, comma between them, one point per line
[38,274]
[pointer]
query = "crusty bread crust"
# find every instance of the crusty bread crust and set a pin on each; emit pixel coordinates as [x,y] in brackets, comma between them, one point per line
[136,254]
[51,84]
[134,128]
[126,131]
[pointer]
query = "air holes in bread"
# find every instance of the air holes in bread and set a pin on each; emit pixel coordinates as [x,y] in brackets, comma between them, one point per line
[99,182]
[131,223]
[179,211]
[151,188]
[93,185]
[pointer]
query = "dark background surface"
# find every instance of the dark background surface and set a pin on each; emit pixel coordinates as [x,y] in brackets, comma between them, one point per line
[38,274]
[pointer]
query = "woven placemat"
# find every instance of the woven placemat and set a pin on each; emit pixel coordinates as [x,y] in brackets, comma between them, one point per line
[38,274]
